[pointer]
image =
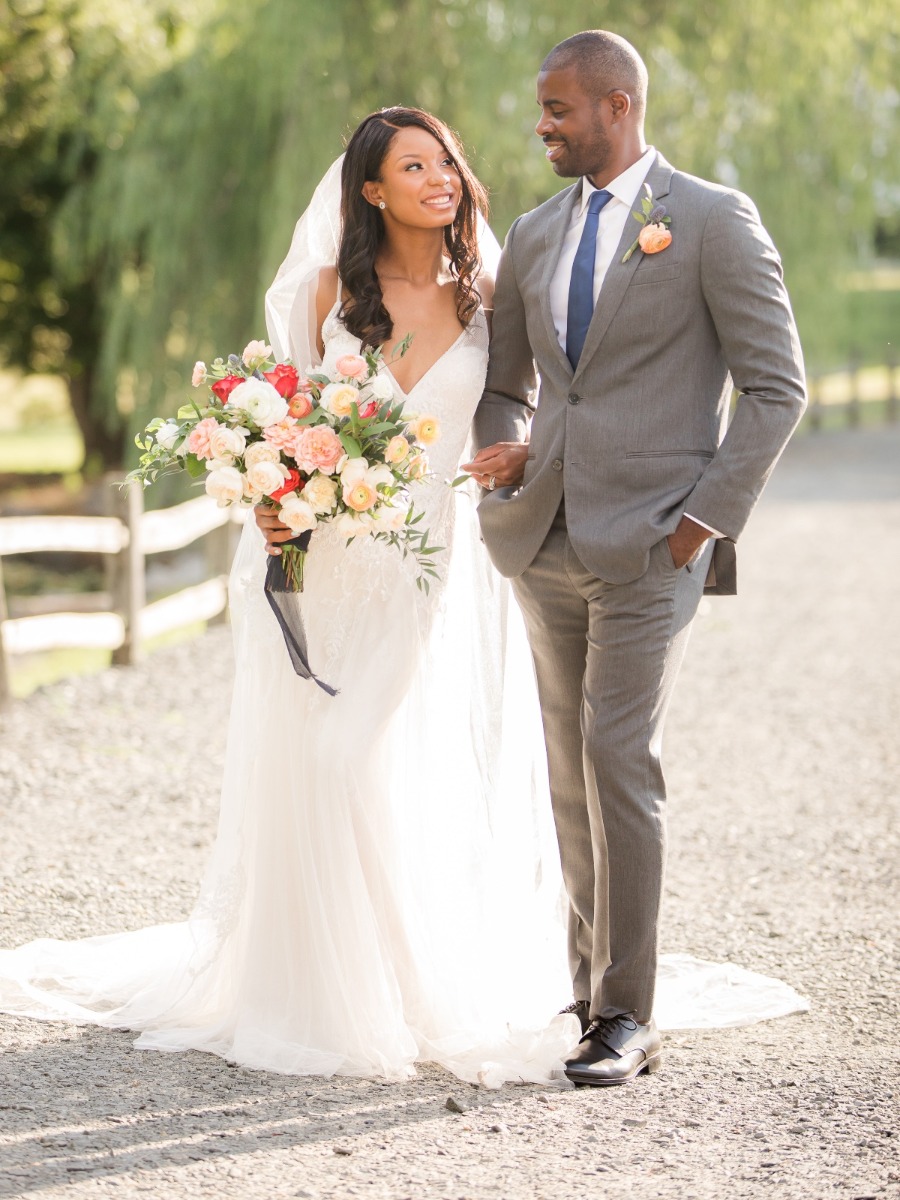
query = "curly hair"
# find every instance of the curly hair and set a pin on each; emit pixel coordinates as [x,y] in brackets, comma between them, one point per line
[362,225]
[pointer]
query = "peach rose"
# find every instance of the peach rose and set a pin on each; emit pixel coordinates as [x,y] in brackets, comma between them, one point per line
[282,434]
[300,405]
[654,238]
[351,366]
[198,374]
[396,450]
[198,441]
[318,448]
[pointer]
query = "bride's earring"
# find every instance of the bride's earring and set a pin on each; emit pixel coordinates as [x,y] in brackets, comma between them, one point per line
[381,204]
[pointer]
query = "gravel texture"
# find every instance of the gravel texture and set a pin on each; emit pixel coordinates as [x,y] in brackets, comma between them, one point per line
[783,751]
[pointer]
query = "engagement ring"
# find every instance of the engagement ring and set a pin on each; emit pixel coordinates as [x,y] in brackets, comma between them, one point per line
[492,483]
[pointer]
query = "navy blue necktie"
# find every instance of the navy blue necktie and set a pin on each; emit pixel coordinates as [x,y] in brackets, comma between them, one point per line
[581,285]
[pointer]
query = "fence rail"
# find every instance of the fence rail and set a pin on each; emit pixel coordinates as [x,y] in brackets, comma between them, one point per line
[119,618]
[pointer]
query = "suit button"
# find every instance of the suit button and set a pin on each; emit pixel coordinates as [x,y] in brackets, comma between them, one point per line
[557,464]
[574,397]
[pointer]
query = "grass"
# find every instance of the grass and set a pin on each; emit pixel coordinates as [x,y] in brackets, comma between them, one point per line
[53,449]
[29,672]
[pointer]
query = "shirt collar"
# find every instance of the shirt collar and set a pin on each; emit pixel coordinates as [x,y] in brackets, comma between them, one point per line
[624,187]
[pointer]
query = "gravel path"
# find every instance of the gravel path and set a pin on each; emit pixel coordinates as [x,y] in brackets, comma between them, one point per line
[783,755]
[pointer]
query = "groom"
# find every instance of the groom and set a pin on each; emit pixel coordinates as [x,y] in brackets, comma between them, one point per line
[628,494]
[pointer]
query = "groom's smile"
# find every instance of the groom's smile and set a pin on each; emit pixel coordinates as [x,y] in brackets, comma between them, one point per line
[576,126]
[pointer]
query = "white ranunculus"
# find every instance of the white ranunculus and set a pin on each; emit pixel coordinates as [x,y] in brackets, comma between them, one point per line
[297,514]
[378,475]
[267,477]
[381,387]
[321,493]
[227,442]
[349,526]
[226,485]
[353,470]
[259,452]
[166,435]
[390,520]
[262,403]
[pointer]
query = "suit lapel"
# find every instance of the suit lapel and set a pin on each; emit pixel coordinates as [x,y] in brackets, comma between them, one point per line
[619,275]
[554,233]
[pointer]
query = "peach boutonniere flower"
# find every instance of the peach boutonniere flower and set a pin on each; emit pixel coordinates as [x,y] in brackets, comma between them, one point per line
[655,235]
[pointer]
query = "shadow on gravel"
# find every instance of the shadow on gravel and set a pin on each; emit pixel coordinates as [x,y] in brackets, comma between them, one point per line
[100,1109]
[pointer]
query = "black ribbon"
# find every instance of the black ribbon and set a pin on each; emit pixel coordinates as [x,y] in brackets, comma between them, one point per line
[283,603]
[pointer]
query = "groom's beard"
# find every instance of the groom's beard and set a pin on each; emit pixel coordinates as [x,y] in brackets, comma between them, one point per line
[582,156]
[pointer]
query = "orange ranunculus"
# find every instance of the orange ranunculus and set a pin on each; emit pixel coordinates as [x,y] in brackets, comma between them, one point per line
[654,238]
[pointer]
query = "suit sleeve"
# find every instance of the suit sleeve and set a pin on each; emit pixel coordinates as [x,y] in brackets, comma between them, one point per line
[742,282]
[504,411]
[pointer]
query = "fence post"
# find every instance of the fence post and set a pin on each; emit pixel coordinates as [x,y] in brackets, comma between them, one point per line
[814,412]
[854,407]
[129,589]
[5,689]
[221,546]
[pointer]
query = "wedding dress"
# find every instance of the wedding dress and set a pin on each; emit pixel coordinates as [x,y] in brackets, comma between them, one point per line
[385,886]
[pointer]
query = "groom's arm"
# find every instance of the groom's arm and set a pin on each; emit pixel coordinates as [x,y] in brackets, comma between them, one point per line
[504,412]
[743,287]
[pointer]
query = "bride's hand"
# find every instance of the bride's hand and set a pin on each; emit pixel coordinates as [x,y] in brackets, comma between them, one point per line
[273,529]
[500,465]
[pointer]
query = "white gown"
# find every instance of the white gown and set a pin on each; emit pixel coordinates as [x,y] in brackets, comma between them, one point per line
[385,886]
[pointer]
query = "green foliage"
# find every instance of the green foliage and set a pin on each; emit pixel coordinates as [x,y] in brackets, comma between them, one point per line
[154,158]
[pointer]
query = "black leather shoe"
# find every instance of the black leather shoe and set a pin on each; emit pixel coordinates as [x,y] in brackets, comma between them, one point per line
[582,1010]
[613,1051]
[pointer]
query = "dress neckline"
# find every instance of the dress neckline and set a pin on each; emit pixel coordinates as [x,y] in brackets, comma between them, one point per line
[333,314]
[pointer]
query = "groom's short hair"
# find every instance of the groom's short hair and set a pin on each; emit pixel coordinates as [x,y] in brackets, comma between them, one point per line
[604,62]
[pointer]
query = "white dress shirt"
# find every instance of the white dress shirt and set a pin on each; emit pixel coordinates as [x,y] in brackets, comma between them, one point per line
[625,189]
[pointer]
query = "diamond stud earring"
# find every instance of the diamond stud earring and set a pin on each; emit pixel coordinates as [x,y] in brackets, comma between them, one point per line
[381,204]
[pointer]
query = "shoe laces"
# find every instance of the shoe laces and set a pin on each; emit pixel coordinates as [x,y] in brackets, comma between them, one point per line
[574,1007]
[604,1025]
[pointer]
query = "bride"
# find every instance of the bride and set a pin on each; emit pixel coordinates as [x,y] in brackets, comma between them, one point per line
[384,886]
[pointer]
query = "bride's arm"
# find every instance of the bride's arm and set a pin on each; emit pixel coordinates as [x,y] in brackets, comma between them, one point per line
[273,529]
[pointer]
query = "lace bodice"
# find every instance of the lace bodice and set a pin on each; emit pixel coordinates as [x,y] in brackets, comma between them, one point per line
[449,390]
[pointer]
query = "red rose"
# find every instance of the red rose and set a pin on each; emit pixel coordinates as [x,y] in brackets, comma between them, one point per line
[370,409]
[284,379]
[293,483]
[224,387]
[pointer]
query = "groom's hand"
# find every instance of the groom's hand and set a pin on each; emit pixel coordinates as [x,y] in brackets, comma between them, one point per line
[686,541]
[500,465]
[273,529]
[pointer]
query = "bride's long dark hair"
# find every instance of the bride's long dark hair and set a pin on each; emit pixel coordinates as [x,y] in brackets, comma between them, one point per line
[362,225]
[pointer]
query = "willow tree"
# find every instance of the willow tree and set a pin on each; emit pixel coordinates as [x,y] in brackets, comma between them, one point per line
[70,75]
[185,213]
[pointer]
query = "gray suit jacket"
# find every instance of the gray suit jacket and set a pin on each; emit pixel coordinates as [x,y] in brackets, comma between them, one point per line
[638,433]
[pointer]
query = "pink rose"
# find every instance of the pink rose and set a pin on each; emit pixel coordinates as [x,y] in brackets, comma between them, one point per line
[198,440]
[198,374]
[318,448]
[283,434]
[351,366]
[654,238]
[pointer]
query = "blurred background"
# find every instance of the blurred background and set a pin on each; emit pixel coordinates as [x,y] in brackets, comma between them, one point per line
[155,155]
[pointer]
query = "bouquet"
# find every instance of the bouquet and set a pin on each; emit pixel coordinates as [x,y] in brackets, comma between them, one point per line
[324,449]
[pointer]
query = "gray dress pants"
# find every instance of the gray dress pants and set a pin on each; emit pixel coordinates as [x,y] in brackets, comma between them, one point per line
[606,657]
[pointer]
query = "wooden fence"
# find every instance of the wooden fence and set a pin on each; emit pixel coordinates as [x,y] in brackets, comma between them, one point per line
[119,618]
[841,397]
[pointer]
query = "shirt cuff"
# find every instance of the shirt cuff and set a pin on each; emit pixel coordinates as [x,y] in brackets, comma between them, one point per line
[697,521]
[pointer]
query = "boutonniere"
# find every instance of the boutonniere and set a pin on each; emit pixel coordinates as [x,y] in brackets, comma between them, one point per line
[655,235]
